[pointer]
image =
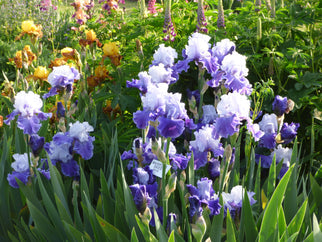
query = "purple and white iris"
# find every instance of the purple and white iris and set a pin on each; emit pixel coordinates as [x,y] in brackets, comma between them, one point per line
[21,170]
[234,200]
[63,146]
[28,108]
[62,78]
[203,195]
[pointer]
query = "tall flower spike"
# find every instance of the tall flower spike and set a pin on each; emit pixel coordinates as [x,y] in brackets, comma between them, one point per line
[168,27]
[221,19]
[202,22]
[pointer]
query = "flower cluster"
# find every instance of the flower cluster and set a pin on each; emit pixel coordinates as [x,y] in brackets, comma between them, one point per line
[164,115]
[276,133]
[82,10]
[63,146]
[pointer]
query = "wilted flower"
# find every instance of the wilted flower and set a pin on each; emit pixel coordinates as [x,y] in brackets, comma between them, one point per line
[24,58]
[27,107]
[100,75]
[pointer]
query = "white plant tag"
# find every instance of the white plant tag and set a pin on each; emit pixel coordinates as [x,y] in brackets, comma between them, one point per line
[157,166]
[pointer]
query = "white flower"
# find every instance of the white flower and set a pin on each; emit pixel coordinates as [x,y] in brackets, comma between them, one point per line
[234,103]
[284,154]
[80,130]
[204,139]
[27,104]
[235,64]
[198,46]
[209,114]
[268,124]
[21,163]
[60,152]
[63,76]
[164,55]
[159,74]
[222,48]
[155,97]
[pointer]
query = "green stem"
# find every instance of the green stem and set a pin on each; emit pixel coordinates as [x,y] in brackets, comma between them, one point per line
[164,200]
[200,87]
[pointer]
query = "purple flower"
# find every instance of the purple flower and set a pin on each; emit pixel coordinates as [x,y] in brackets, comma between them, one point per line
[282,154]
[214,168]
[195,206]
[268,124]
[61,78]
[21,170]
[141,83]
[266,160]
[60,149]
[83,142]
[268,141]
[289,132]
[226,126]
[223,48]
[203,194]
[209,114]
[36,143]
[140,196]
[46,173]
[60,110]
[254,129]
[143,176]
[70,168]
[27,106]
[22,176]
[198,47]
[172,128]
[234,103]
[179,161]
[280,105]
[234,66]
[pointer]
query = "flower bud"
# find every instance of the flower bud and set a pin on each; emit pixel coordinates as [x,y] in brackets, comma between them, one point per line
[171,186]
[199,228]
